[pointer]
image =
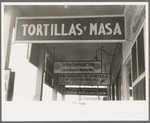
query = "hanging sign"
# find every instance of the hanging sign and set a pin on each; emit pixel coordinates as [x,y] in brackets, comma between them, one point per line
[83,79]
[49,67]
[77,67]
[48,79]
[46,29]
[86,91]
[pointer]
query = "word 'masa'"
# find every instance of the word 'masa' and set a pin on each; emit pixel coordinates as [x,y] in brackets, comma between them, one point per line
[75,29]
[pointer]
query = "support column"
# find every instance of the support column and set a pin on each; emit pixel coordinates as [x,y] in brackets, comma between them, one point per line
[40,74]
[63,93]
[79,97]
[54,96]
[63,97]
[8,34]
[54,93]
[108,93]
[125,83]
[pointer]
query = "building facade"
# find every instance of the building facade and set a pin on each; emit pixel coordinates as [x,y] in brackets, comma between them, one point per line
[125,61]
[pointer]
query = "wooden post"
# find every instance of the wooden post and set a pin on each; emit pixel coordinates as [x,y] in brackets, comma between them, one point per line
[63,97]
[108,93]
[54,96]
[40,74]
[79,95]
[54,93]
[63,93]
[125,83]
[7,40]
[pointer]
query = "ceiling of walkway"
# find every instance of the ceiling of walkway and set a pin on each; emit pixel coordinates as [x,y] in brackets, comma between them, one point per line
[87,51]
[80,51]
[71,10]
[83,51]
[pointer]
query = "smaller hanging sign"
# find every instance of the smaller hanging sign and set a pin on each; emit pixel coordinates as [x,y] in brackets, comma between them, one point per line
[77,67]
[83,79]
[86,91]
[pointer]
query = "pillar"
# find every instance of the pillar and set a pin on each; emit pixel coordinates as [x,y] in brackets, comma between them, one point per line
[40,74]
[79,97]
[63,97]
[125,83]
[54,95]
[63,93]
[9,23]
[108,93]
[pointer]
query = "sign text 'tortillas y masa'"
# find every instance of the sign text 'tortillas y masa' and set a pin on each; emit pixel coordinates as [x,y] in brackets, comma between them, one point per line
[57,29]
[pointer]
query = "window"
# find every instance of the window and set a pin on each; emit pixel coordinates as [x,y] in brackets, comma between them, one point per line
[138,68]
[134,62]
[141,60]
[139,90]
[138,61]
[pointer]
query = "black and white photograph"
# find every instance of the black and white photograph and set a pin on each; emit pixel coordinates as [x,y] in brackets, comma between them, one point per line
[75,61]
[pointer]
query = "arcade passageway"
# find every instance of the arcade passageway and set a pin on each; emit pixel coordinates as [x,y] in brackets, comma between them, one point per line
[59,53]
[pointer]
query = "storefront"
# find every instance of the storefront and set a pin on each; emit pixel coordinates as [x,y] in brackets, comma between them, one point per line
[101,55]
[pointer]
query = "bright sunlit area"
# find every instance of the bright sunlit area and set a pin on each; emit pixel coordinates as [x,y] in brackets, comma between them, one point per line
[47,93]
[25,79]
[25,73]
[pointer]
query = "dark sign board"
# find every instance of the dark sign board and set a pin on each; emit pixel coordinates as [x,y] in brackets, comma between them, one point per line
[47,29]
[86,91]
[48,79]
[33,54]
[83,79]
[49,67]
